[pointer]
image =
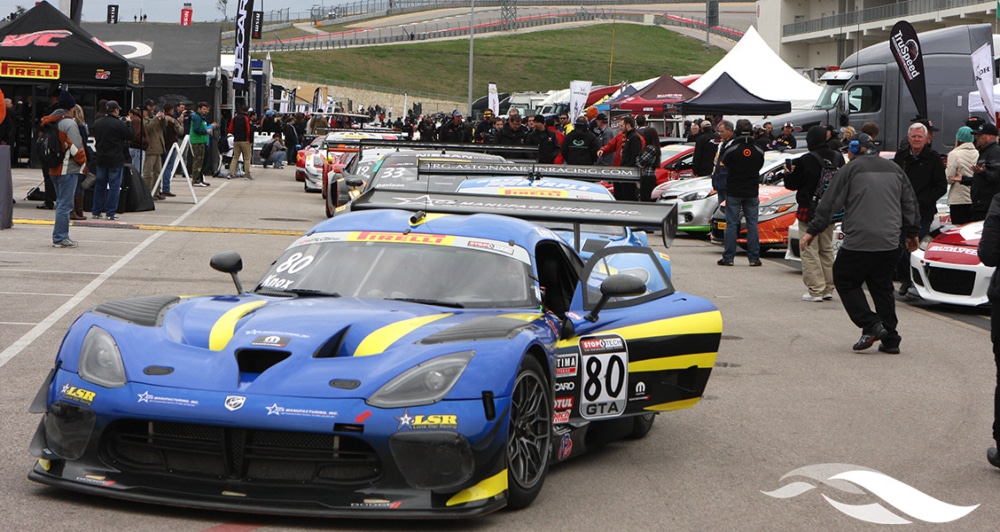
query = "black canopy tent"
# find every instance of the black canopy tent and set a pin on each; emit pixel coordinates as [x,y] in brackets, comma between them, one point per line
[727,97]
[43,49]
[181,62]
[44,46]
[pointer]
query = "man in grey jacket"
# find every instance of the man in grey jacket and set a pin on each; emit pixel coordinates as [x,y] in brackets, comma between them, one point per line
[878,203]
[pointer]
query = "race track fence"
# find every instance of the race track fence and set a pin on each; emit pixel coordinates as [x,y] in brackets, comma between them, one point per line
[456,27]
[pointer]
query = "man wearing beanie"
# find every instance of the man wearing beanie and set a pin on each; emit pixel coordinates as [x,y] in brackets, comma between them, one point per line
[66,175]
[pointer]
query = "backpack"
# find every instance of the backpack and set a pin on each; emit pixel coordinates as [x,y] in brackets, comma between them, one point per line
[265,152]
[48,146]
[828,170]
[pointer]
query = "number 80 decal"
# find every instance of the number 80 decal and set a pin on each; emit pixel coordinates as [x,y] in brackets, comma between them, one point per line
[604,376]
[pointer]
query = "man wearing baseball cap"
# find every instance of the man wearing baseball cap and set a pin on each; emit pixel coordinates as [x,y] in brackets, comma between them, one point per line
[454,130]
[985,180]
[786,140]
[484,126]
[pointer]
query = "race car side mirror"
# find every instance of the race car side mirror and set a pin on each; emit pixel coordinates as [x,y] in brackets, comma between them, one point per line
[619,285]
[354,181]
[229,262]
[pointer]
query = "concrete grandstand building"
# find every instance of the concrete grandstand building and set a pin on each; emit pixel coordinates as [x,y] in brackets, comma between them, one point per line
[813,34]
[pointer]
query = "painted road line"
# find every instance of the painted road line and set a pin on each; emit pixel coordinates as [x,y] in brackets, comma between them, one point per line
[175,228]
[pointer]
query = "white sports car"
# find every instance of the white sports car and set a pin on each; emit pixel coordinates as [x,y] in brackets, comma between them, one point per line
[947,269]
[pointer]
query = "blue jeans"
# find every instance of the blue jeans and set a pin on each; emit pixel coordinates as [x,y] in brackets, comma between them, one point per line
[750,208]
[276,159]
[168,163]
[65,186]
[107,189]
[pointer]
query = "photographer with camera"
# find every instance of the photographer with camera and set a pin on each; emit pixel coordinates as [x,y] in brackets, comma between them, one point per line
[111,132]
[985,180]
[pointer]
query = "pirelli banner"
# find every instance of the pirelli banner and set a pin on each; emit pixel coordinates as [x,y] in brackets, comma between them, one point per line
[244,28]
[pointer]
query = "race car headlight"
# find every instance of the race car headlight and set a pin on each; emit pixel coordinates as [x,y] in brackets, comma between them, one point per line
[768,210]
[924,242]
[100,360]
[424,384]
[696,195]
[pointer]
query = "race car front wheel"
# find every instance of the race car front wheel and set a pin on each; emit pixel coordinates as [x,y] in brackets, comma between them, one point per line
[641,425]
[529,436]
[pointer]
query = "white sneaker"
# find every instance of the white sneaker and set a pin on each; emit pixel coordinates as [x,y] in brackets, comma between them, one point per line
[812,299]
[827,297]
[64,243]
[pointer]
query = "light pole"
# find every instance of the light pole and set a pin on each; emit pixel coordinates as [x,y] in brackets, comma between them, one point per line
[472,33]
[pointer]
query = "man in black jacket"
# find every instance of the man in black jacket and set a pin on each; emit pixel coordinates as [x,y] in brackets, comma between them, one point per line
[985,182]
[454,131]
[817,261]
[241,127]
[630,154]
[580,145]
[925,170]
[545,139]
[111,135]
[705,149]
[743,159]
[989,254]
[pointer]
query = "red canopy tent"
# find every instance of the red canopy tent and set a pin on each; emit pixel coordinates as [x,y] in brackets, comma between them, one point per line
[600,92]
[651,100]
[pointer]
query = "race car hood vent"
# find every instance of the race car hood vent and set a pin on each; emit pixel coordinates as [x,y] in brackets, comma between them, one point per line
[332,347]
[485,328]
[146,311]
[253,362]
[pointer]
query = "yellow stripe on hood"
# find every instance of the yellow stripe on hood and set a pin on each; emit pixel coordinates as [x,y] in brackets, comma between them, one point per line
[225,326]
[380,339]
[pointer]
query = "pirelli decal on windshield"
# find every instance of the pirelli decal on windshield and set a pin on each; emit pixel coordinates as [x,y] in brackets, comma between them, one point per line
[411,238]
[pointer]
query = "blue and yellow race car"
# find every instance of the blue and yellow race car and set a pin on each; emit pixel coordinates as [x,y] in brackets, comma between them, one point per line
[406,362]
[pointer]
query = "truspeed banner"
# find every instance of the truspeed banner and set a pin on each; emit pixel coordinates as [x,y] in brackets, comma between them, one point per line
[241,71]
[982,65]
[493,98]
[578,93]
[905,48]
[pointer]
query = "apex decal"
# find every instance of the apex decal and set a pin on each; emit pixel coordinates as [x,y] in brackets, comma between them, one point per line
[28,69]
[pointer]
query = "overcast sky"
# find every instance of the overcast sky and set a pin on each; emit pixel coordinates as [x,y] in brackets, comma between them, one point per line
[170,10]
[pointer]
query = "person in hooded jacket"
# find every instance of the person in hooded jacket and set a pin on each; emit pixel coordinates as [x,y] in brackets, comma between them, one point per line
[706,148]
[960,162]
[989,254]
[580,144]
[803,176]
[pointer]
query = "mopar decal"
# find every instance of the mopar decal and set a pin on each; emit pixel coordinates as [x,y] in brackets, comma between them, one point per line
[235,402]
[270,341]
[78,394]
[604,371]
[430,421]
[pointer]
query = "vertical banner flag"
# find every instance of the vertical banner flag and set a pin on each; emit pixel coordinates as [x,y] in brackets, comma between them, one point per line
[316,100]
[578,93]
[493,98]
[905,48]
[241,71]
[112,13]
[982,66]
[186,14]
[257,24]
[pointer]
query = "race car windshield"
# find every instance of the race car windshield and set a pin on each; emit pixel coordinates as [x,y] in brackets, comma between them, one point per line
[429,274]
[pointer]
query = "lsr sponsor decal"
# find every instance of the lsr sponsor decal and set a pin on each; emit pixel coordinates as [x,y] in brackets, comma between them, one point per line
[429,421]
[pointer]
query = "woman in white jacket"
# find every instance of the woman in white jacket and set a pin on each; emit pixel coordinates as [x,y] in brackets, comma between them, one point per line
[960,163]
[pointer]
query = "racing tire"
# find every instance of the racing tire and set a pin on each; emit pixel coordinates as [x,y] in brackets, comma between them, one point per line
[329,207]
[642,425]
[529,434]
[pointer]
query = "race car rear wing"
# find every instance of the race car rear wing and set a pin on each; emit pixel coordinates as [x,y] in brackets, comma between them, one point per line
[530,171]
[577,212]
[520,153]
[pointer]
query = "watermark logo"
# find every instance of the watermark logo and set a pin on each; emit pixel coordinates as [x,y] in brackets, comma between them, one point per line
[861,481]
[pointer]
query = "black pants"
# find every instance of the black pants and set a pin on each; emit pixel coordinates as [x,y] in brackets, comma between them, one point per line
[50,189]
[995,336]
[851,270]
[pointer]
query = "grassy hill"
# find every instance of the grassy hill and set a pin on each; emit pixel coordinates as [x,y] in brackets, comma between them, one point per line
[542,60]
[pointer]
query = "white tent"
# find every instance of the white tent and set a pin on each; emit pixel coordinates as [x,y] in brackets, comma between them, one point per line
[754,65]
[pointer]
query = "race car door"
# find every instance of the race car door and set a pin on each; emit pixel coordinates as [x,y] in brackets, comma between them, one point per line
[650,351]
